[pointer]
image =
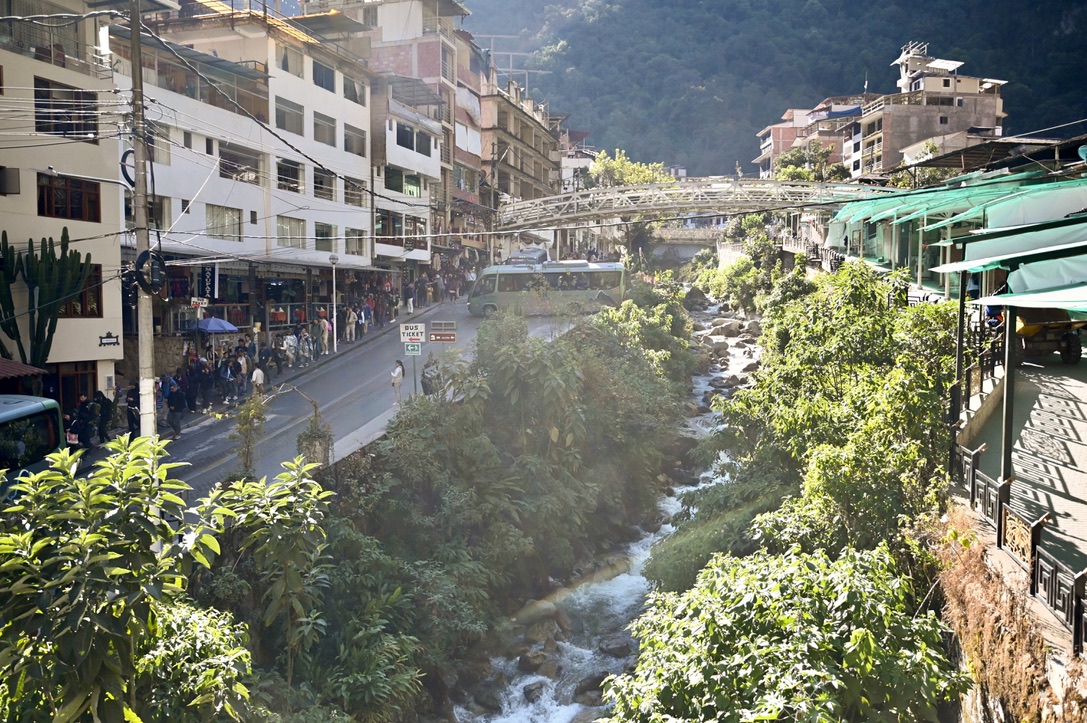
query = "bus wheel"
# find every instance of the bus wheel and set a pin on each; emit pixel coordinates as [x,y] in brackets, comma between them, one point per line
[489,311]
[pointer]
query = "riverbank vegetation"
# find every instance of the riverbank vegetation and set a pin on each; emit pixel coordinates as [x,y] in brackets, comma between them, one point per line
[351,596]
[835,453]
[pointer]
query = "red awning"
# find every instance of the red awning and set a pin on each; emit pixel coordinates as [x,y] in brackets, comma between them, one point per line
[10,369]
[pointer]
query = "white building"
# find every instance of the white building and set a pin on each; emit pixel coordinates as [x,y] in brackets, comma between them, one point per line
[59,143]
[261,163]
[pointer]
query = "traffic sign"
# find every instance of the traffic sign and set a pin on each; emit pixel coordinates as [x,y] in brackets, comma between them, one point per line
[444,337]
[413,349]
[410,333]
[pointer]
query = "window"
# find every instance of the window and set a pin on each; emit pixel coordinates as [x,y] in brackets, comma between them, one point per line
[354,90]
[158,212]
[62,110]
[405,136]
[354,140]
[943,120]
[239,164]
[324,236]
[394,179]
[290,232]
[324,184]
[158,143]
[185,205]
[290,176]
[354,191]
[422,143]
[324,129]
[355,242]
[324,77]
[412,185]
[87,304]
[70,198]
[290,116]
[187,139]
[289,59]
[224,222]
[252,218]
[369,16]
[464,178]
[209,146]
[947,82]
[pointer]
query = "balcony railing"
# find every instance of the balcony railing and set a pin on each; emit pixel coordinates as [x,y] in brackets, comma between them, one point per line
[1052,582]
[68,54]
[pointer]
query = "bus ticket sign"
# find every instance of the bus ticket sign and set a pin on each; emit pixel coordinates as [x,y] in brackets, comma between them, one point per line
[413,333]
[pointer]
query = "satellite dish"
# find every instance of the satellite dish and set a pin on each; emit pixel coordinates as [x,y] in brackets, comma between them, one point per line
[1082,153]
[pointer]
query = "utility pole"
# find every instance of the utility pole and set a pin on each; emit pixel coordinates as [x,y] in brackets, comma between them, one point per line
[144,317]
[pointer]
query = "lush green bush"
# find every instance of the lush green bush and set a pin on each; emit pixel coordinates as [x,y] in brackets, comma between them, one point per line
[797,637]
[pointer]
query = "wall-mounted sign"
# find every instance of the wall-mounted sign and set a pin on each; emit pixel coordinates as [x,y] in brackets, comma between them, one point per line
[109,340]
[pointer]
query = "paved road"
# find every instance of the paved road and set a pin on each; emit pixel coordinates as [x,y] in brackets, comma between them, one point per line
[352,389]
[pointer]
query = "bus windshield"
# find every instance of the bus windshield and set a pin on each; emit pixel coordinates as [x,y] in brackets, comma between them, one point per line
[30,429]
[548,288]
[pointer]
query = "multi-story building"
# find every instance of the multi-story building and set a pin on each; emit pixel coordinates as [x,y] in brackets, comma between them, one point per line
[777,138]
[261,162]
[520,149]
[470,219]
[415,40]
[933,100]
[59,139]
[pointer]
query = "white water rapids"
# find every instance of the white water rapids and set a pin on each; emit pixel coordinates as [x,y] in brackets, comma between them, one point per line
[598,610]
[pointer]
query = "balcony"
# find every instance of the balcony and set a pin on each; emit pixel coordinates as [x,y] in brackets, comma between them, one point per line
[62,54]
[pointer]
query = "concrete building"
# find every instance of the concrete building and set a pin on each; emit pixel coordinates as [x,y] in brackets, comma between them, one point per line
[777,138]
[261,165]
[934,100]
[59,139]
[520,151]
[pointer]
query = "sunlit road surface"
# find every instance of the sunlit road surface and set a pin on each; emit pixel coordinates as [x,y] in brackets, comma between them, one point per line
[351,388]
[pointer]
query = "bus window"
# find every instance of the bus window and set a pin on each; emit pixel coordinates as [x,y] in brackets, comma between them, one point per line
[485,285]
[27,440]
[603,280]
[511,282]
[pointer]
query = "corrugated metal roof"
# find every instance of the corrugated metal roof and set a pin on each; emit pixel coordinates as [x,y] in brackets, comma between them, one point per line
[10,369]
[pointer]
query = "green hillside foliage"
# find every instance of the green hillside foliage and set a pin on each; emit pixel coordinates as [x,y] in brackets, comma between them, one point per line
[690,82]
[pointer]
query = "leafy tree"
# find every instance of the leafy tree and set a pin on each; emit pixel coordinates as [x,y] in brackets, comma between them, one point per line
[922,177]
[91,564]
[607,171]
[795,638]
[247,431]
[810,162]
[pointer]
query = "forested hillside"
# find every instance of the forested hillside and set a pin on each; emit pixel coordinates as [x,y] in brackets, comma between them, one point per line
[690,82]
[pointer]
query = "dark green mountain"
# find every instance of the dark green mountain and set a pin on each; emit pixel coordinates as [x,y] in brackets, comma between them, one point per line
[690,82]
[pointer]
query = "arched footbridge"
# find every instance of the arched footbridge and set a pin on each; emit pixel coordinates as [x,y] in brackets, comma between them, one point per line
[724,195]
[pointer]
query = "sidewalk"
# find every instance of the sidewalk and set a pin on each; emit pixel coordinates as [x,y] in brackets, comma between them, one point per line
[289,376]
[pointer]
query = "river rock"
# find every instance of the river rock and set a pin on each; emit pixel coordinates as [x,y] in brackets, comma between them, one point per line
[591,682]
[534,611]
[733,327]
[615,646]
[716,342]
[541,631]
[534,691]
[695,298]
[750,367]
[488,696]
[753,327]
[732,381]
[585,716]
[531,661]
[551,668]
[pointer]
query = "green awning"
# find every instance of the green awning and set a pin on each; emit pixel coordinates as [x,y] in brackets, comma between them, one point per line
[1041,201]
[987,234]
[1070,298]
[1003,261]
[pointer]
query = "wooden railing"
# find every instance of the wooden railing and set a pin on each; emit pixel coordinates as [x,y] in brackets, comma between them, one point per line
[1052,582]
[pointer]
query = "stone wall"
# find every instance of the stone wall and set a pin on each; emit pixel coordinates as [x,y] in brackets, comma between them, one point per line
[168,356]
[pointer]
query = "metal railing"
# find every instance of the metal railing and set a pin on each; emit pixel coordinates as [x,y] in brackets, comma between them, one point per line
[1053,583]
[34,43]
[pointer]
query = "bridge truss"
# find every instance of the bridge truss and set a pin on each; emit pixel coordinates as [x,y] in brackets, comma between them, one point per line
[724,195]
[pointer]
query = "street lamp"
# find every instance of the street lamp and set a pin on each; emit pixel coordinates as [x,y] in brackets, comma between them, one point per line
[334,259]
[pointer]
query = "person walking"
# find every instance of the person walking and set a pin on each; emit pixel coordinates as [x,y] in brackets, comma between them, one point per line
[176,404]
[132,400]
[398,379]
[350,321]
[258,382]
[105,416]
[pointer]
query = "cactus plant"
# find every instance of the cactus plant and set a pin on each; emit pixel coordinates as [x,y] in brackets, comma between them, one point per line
[52,278]
[10,262]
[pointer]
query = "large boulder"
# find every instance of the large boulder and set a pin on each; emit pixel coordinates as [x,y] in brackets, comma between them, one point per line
[534,611]
[753,327]
[730,327]
[716,342]
[531,661]
[695,298]
[534,691]
[616,646]
[591,682]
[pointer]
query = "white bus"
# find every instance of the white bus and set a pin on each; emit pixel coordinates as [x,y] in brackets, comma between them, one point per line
[553,287]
